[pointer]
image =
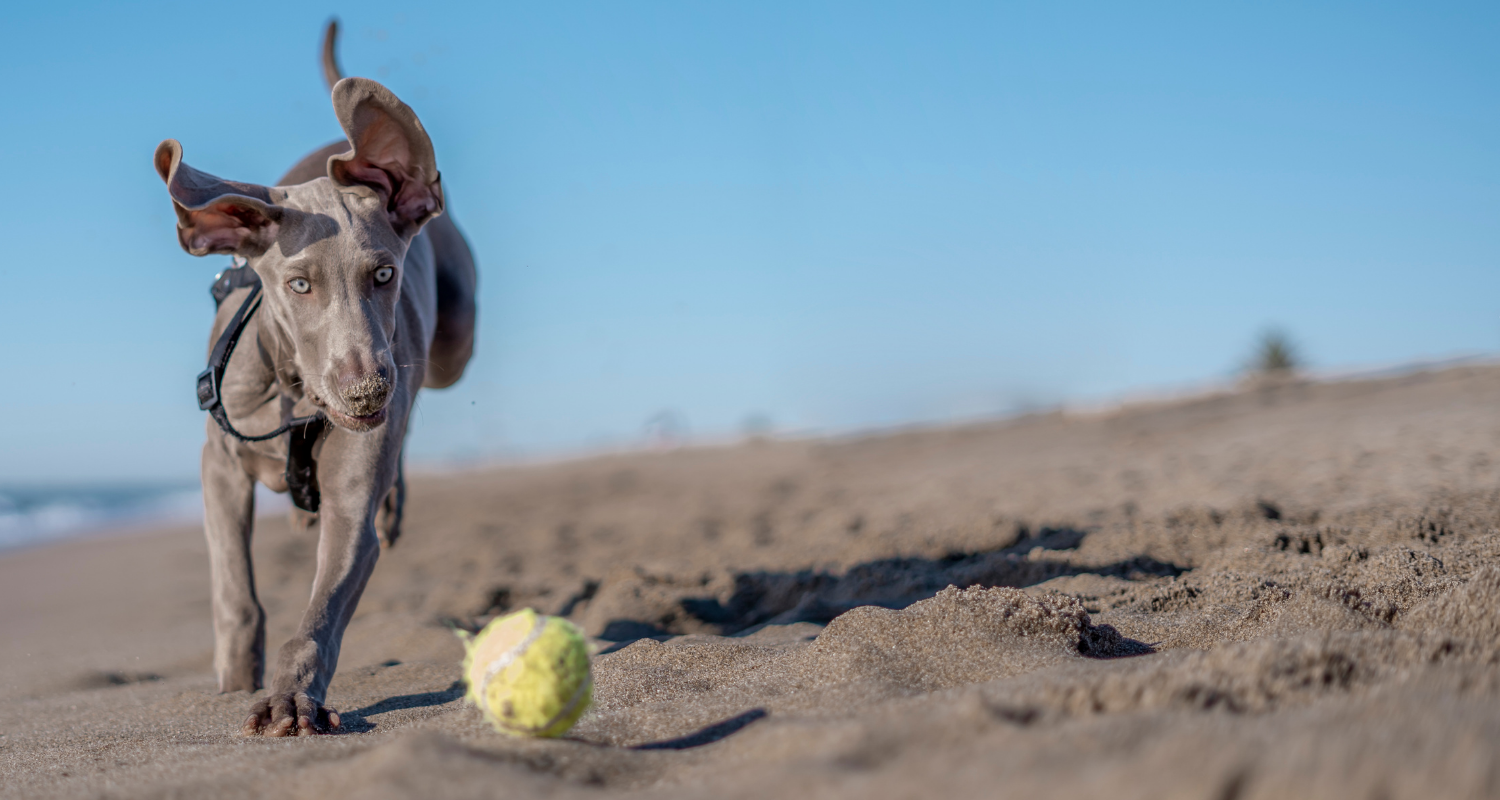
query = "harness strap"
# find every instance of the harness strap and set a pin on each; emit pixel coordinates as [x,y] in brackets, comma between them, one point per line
[301,467]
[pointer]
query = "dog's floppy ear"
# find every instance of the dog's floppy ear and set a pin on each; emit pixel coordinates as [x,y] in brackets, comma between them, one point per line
[215,215]
[391,154]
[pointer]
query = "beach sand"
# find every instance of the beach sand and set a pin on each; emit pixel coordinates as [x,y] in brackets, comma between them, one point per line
[1283,591]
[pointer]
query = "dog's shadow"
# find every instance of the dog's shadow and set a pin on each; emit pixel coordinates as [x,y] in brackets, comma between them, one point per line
[357,721]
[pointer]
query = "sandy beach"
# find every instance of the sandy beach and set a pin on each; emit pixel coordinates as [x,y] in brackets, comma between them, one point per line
[1280,591]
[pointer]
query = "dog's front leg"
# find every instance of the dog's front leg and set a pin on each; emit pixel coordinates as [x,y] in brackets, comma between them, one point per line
[355,470]
[239,620]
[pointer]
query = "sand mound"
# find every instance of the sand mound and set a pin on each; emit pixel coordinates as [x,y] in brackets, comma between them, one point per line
[867,655]
[960,637]
[431,765]
[1470,612]
[631,603]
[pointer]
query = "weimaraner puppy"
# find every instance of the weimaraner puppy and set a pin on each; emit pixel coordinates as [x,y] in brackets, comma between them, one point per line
[365,295]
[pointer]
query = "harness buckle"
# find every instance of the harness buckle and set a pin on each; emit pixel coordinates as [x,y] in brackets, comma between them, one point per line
[208,393]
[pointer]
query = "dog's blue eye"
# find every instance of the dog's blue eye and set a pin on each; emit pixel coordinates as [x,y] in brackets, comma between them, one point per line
[384,275]
[299,285]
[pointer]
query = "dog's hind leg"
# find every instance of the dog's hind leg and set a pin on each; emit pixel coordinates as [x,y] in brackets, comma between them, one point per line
[239,620]
[388,519]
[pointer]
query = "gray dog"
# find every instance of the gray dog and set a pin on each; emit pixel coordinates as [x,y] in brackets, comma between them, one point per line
[365,294]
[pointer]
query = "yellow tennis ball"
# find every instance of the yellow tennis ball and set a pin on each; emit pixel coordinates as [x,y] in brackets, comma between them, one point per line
[529,673]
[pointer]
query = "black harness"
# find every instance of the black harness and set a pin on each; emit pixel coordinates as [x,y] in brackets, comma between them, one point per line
[301,467]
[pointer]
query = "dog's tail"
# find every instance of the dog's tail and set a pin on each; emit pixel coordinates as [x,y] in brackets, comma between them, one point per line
[331,72]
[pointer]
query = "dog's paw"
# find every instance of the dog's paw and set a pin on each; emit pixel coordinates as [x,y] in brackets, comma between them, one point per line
[301,521]
[290,714]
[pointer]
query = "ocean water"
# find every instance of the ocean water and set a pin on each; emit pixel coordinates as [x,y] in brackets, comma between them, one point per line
[35,514]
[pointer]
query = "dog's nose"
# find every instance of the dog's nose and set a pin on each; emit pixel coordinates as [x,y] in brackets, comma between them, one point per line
[364,393]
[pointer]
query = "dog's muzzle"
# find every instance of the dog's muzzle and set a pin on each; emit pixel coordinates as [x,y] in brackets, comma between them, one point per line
[366,396]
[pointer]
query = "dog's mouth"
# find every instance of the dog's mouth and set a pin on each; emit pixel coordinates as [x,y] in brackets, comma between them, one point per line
[354,422]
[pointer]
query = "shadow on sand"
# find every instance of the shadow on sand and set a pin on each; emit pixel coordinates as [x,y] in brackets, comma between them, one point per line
[709,735]
[782,598]
[355,721]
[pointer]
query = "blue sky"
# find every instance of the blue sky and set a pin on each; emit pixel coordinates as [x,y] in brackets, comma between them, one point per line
[829,215]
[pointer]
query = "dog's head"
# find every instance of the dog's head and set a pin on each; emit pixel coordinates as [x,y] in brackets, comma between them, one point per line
[330,252]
